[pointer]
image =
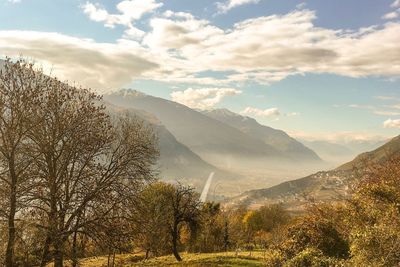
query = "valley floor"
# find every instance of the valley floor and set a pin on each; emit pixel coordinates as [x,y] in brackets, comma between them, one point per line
[189,259]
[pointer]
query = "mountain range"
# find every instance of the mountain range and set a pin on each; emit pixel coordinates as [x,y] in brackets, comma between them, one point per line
[221,140]
[176,161]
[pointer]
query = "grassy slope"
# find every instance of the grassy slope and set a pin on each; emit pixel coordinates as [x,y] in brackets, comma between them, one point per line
[205,259]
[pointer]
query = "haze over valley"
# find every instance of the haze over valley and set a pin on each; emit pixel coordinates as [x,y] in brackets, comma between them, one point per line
[246,154]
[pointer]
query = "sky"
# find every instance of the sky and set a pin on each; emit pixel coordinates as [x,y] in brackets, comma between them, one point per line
[318,69]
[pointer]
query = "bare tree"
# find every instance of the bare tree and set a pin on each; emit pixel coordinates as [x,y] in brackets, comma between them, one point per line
[79,158]
[18,88]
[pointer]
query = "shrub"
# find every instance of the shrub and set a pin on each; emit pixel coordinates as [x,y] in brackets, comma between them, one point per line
[318,233]
[274,258]
[312,257]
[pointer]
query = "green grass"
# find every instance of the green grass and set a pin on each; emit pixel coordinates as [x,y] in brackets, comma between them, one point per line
[189,259]
[206,259]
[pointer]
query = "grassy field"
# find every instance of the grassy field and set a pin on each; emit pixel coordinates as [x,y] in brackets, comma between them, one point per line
[205,259]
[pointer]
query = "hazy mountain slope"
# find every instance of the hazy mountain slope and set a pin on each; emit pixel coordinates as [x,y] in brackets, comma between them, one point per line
[278,139]
[216,142]
[379,155]
[360,146]
[331,152]
[176,161]
[322,186]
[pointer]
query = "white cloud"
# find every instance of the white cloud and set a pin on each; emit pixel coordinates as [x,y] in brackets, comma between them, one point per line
[134,33]
[98,65]
[95,12]
[377,110]
[385,97]
[362,106]
[225,7]
[130,10]
[271,112]
[338,137]
[394,14]
[301,5]
[14,1]
[386,113]
[396,106]
[178,31]
[204,98]
[135,9]
[395,4]
[391,15]
[391,123]
[268,49]
[291,114]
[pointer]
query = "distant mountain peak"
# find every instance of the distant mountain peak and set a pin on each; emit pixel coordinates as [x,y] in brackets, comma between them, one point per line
[127,92]
[223,111]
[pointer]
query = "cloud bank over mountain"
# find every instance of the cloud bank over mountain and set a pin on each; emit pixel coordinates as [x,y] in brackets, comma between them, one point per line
[177,46]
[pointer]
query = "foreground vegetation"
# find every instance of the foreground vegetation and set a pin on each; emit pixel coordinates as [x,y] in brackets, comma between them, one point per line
[78,188]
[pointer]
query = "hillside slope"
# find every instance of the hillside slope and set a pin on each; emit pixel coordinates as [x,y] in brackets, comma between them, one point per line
[329,186]
[379,155]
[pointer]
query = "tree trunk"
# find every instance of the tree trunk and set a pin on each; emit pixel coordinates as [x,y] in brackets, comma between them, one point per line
[75,244]
[58,253]
[113,259]
[108,258]
[55,222]
[83,246]
[175,243]
[45,254]
[74,250]
[226,236]
[9,261]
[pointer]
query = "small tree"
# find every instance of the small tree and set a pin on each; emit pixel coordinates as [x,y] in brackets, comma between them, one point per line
[184,207]
[166,208]
[211,233]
